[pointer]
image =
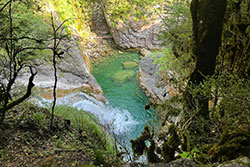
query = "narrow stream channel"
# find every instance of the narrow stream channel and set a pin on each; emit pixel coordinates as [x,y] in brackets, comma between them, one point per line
[123,93]
[124,114]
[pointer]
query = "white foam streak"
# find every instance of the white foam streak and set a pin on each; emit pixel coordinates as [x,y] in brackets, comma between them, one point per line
[116,120]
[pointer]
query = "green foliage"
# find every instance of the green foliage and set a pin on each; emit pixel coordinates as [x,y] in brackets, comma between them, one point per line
[25,24]
[23,33]
[123,11]
[234,54]
[175,61]
[176,68]
[59,143]
[178,27]
[4,156]
[194,153]
[40,118]
[83,121]
[230,97]
[99,157]
[78,13]
[87,126]
[226,132]
[229,110]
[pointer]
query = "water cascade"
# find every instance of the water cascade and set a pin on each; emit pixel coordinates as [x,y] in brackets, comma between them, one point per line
[123,114]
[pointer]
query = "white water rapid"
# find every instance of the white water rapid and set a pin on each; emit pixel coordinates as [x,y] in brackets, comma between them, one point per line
[120,122]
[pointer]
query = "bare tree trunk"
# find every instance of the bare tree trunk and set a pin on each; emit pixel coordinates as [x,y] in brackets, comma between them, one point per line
[55,69]
[57,52]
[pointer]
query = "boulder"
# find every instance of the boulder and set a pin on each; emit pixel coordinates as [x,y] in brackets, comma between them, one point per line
[151,81]
[144,52]
[240,162]
[123,75]
[183,162]
[129,65]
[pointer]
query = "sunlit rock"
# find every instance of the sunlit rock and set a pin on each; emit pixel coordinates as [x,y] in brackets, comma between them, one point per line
[144,52]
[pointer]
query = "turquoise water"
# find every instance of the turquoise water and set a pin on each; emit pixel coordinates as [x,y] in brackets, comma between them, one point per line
[125,95]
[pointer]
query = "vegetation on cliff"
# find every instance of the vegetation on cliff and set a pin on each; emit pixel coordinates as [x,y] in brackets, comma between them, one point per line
[212,90]
[26,35]
[207,64]
[77,139]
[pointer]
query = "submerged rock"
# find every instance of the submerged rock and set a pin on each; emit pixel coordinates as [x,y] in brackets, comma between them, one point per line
[129,65]
[123,75]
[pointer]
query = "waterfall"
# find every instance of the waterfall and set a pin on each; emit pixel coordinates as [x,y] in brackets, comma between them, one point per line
[117,121]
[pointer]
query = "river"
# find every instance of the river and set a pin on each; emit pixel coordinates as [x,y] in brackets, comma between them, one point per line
[123,114]
[124,95]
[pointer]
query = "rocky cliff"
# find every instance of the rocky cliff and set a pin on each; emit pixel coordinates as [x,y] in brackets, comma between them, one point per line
[135,34]
[73,73]
[74,66]
[150,79]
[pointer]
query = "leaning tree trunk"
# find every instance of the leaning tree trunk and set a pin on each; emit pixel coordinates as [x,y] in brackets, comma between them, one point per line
[207,16]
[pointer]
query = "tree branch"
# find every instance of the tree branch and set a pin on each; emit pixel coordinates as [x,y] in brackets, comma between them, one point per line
[5,5]
[24,97]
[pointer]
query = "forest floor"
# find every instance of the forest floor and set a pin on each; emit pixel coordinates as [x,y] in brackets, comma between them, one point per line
[26,139]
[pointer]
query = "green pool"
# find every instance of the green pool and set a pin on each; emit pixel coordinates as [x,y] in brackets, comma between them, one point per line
[117,75]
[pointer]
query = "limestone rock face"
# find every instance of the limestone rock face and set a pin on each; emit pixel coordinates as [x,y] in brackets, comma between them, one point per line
[73,72]
[132,34]
[137,35]
[102,43]
[151,82]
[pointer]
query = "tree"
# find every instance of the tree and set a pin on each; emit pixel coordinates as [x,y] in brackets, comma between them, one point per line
[25,34]
[207,16]
[57,52]
[235,48]
[12,64]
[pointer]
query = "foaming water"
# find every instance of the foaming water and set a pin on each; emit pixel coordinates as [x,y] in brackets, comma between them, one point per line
[124,114]
[117,121]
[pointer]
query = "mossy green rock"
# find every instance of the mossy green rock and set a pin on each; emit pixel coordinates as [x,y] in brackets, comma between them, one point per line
[123,75]
[129,65]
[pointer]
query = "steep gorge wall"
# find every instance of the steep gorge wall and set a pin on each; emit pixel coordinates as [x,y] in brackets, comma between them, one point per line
[151,80]
[74,67]
[134,34]
[137,35]
[88,43]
